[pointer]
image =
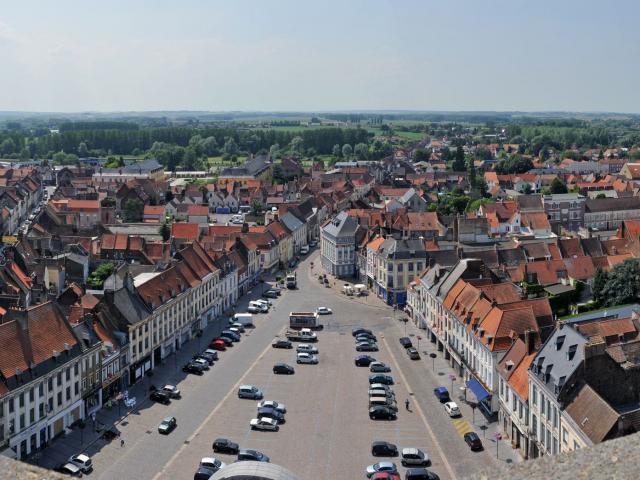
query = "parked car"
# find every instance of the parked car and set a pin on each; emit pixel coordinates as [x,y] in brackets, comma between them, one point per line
[218,344]
[413,353]
[250,392]
[228,342]
[414,456]
[306,358]
[231,334]
[167,425]
[381,386]
[224,445]
[420,474]
[202,362]
[377,393]
[252,455]
[253,309]
[473,440]
[69,469]
[364,360]
[386,476]
[237,326]
[365,336]
[452,409]
[442,394]
[207,357]
[358,330]
[381,467]
[380,412]
[264,423]
[270,294]
[82,461]
[271,413]
[406,342]
[283,369]
[172,391]
[380,378]
[324,311]
[212,463]
[282,344]
[383,449]
[203,473]
[194,368]
[379,367]
[305,347]
[160,397]
[366,347]
[281,407]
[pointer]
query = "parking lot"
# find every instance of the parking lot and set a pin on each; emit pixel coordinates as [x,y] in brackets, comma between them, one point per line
[328,432]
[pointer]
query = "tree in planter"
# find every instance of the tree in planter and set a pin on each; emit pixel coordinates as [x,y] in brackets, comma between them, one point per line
[256,206]
[165,230]
[133,210]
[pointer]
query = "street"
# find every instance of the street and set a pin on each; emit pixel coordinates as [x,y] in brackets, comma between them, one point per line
[327,433]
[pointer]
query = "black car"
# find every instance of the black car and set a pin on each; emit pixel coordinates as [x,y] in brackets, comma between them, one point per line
[160,397]
[420,474]
[364,360]
[406,342]
[203,473]
[473,440]
[359,330]
[413,353]
[271,413]
[69,469]
[283,369]
[383,449]
[224,445]
[282,344]
[380,412]
[193,368]
[202,356]
[252,455]
[366,347]
[228,342]
[270,294]
[366,336]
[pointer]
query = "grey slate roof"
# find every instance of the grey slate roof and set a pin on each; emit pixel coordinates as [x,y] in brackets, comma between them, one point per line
[554,364]
[342,226]
[402,249]
[252,168]
[130,305]
[291,221]
[593,205]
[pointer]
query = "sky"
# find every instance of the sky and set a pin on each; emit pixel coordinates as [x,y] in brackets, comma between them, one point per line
[286,55]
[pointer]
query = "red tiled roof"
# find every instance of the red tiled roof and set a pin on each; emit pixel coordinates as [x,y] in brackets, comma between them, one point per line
[185,231]
[199,210]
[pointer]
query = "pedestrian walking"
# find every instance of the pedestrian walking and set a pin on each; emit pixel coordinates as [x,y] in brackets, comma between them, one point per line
[406,404]
[122,442]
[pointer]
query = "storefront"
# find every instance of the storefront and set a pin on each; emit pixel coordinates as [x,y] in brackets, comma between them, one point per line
[483,396]
[138,369]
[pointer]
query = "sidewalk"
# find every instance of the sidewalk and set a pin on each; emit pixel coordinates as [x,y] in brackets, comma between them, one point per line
[169,371]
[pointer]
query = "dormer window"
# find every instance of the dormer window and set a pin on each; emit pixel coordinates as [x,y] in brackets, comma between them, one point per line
[572,352]
[560,341]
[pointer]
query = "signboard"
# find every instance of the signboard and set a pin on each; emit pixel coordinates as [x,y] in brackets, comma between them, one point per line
[9,240]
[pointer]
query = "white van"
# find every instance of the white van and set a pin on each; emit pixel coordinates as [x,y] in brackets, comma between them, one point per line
[304,249]
[383,401]
[246,319]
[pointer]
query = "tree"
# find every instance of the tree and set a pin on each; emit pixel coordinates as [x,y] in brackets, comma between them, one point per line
[458,164]
[256,206]
[83,151]
[133,210]
[347,151]
[514,164]
[99,275]
[336,151]
[620,286]
[557,186]
[168,196]
[190,160]
[8,147]
[600,196]
[297,145]
[59,158]
[210,146]
[165,230]
[421,155]
[230,148]
[599,283]
[361,151]
[274,150]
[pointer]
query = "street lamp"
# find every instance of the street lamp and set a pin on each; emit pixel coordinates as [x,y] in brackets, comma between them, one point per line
[452,378]
[433,361]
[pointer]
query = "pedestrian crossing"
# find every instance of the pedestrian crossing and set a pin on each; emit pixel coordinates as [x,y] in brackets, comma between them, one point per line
[462,427]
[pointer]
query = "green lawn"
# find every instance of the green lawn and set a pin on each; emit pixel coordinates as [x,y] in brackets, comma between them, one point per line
[219,162]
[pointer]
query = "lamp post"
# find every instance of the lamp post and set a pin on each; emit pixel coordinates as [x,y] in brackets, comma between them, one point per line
[452,378]
[433,361]
[497,437]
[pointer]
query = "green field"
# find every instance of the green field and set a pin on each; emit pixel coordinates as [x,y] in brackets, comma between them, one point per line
[220,162]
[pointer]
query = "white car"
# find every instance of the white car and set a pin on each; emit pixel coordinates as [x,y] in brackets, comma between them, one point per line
[414,456]
[172,391]
[305,347]
[202,362]
[305,357]
[82,461]
[452,409]
[324,311]
[254,309]
[264,301]
[281,407]
[212,463]
[264,423]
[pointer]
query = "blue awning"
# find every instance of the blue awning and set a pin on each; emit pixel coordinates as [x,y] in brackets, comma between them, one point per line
[478,390]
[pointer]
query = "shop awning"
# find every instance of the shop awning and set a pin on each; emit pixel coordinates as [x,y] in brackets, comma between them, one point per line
[478,390]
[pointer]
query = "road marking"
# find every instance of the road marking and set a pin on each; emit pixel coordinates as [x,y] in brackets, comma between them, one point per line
[210,416]
[421,413]
[462,427]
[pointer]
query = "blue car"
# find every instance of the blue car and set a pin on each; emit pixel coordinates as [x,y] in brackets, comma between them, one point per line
[442,393]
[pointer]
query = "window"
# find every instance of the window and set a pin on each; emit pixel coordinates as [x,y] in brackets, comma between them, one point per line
[401,267]
[41,410]
[68,393]
[390,267]
[51,404]
[419,266]
[555,445]
[21,400]
[41,389]
[32,415]
[76,388]
[565,434]
[21,421]
[410,266]
[534,395]
[59,398]
[50,383]
[31,395]
[67,374]
[543,434]
[555,417]
[11,407]
[575,445]
[59,379]
[542,404]
[75,369]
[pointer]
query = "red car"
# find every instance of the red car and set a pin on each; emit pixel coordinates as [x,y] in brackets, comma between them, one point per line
[217,344]
[386,476]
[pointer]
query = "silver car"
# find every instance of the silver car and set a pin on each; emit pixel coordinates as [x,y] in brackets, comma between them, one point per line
[307,358]
[305,347]
[414,456]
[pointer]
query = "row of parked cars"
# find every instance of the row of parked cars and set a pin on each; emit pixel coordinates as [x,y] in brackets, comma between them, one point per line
[210,465]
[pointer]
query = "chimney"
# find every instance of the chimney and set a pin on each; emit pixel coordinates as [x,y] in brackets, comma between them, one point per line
[530,341]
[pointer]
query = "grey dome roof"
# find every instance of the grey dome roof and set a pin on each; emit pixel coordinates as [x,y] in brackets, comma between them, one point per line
[253,471]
